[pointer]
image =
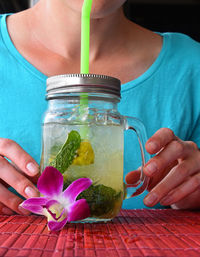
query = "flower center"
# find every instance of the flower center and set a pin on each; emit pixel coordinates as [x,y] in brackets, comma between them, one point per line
[56,212]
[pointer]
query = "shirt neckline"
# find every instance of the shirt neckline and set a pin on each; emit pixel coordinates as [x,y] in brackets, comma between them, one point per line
[15,53]
[151,70]
[124,87]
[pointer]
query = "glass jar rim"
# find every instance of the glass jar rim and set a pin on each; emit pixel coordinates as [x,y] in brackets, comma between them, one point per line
[83,83]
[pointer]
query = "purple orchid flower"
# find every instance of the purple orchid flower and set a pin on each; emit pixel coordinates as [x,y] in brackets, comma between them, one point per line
[59,207]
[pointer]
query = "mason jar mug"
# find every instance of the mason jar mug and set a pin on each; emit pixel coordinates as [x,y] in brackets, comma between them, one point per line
[83,136]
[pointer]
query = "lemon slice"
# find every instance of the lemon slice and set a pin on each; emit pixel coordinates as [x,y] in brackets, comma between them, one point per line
[84,155]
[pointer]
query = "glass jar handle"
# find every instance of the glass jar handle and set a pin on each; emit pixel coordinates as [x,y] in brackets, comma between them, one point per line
[142,183]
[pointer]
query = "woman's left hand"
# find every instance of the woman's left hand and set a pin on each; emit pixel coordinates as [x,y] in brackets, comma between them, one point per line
[174,171]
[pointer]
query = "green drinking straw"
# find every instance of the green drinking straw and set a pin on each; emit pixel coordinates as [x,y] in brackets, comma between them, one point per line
[85,36]
[85,47]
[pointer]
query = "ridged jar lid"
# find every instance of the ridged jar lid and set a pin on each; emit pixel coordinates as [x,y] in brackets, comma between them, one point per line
[82,83]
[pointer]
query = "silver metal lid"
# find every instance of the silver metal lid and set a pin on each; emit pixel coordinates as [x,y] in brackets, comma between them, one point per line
[82,83]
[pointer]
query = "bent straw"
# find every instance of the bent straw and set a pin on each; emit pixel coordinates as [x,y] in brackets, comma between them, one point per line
[85,48]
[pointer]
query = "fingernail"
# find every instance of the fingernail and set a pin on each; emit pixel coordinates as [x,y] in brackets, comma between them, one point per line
[32,168]
[31,192]
[151,199]
[153,146]
[7,211]
[151,168]
[23,211]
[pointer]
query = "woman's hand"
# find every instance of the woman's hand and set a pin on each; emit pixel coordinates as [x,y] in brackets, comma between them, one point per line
[174,171]
[20,174]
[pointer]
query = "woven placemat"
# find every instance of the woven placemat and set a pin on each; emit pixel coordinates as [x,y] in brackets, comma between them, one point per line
[132,233]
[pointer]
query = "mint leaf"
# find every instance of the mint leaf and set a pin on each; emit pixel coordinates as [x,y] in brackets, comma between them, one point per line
[100,198]
[66,154]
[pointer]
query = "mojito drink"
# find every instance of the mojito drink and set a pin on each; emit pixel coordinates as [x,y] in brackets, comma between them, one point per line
[98,157]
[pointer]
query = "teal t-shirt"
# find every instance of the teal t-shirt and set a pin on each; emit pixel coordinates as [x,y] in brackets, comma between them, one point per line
[166,95]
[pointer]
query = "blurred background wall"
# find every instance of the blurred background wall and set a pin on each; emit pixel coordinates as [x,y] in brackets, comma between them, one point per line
[9,6]
[157,15]
[166,15]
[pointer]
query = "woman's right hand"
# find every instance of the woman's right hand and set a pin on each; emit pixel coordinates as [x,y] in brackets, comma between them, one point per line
[20,173]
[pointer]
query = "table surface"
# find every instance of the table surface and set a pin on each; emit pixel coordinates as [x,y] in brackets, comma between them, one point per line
[133,233]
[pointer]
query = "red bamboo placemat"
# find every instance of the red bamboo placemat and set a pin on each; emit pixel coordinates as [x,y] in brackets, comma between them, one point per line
[132,233]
